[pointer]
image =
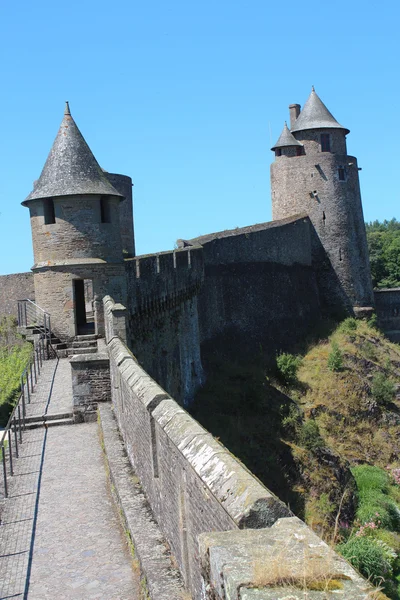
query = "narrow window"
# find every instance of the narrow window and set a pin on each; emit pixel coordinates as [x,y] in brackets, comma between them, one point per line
[325,142]
[299,151]
[49,214]
[342,174]
[105,213]
[323,217]
[278,152]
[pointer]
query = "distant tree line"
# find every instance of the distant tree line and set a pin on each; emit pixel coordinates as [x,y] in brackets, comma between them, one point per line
[384,252]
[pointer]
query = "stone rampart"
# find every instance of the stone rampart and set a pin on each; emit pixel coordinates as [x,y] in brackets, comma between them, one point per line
[13,288]
[163,330]
[193,483]
[196,489]
[260,292]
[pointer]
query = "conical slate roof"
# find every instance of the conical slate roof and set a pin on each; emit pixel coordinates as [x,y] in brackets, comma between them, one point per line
[315,115]
[286,139]
[71,167]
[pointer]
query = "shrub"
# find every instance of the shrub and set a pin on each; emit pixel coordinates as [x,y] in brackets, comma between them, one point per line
[335,358]
[310,436]
[348,326]
[372,559]
[382,389]
[288,365]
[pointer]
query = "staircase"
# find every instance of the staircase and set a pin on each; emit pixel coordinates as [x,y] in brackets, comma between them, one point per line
[83,344]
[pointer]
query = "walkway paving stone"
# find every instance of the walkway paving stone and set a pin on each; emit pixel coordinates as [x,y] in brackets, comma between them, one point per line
[61,536]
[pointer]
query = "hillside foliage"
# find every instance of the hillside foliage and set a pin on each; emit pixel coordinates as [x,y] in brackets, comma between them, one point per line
[384,252]
[14,356]
[322,432]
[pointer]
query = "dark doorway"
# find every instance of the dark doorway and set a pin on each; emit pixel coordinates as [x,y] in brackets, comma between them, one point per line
[83,293]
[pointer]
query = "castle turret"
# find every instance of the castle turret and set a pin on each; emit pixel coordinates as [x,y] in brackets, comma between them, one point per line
[76,234]
[312,173]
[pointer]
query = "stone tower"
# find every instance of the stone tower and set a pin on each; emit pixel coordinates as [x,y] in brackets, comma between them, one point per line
[312,173]
[76,234]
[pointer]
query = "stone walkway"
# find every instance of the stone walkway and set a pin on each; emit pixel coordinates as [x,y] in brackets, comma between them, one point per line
[60,535]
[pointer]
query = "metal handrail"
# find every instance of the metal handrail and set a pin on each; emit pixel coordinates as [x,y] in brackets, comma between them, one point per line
[31,314]
[29,377]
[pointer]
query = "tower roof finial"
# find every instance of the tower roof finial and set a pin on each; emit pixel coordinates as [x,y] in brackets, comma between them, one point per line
[312,88]
[67,111]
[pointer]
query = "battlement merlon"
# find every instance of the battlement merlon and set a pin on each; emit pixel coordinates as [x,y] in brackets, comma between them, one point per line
[158,280]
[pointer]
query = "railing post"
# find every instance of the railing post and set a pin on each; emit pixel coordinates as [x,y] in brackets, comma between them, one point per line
[23,395]
[10,452]
[3,454]
[16,437]
[20,424]
[27,387]
[37,360]
[31,376]
[34,368]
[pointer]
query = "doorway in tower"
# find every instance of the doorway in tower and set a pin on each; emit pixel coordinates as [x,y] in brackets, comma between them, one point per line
[84,315]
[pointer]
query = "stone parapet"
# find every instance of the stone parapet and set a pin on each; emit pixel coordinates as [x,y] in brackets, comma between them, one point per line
[286,561]
[193,484]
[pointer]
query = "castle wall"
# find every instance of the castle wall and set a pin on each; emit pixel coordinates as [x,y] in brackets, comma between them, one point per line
[78,231]
[259,293]
[387,303]
[163,320]
[311,184]
[193,484]
[223,526]
[17,286]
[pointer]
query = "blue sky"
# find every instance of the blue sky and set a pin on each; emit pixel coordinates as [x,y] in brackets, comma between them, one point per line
[187,98]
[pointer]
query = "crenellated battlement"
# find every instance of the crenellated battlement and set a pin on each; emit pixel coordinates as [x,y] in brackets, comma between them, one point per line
[158,282]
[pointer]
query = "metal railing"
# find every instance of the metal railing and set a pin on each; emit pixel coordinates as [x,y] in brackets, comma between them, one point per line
[32,316]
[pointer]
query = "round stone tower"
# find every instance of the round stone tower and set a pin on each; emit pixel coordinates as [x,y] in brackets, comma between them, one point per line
[76,234]
[312,173]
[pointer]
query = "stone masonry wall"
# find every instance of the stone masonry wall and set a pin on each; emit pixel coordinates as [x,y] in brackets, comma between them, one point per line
[90,384]
[13,288]
[201,497]
[55,292]
[163,319]
[259,292]
[192,483]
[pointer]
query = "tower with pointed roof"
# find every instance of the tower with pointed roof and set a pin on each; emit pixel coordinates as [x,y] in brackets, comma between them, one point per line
[313,174]
[76,234]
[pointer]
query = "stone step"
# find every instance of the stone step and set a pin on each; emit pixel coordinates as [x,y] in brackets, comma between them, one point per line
[49,417]
[85,344]
[51,423]
[60,346]
[86,338]
[87,350]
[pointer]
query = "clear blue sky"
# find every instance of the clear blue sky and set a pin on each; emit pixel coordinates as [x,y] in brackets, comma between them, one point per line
[187,98]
